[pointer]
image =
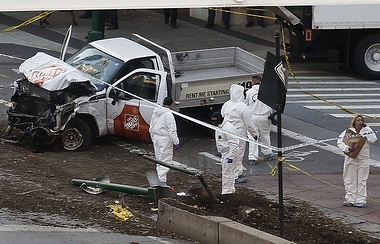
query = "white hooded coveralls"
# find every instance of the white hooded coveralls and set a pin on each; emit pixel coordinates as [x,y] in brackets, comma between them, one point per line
[260,112]
[163,131]
[356,171]
[227,145]
[238,114]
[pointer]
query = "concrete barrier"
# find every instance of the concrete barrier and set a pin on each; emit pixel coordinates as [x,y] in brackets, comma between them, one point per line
[174,217]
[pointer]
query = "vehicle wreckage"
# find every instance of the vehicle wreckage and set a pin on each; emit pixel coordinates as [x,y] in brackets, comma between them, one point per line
[44,103]
[112,86]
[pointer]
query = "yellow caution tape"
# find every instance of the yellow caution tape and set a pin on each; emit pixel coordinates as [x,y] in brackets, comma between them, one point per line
[242,13]
[29,21]
[120,212]
[259,9]
[273,171]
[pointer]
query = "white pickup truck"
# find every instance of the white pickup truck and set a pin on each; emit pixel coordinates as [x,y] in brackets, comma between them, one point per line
[111,86]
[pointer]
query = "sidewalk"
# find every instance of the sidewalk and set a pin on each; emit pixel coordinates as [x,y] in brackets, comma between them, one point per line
[321,186]
[321,190]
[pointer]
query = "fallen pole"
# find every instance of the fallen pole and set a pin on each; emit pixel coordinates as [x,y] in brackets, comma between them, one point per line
[149,192]
[185,169]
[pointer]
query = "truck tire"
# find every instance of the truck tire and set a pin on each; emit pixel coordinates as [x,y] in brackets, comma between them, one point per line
[367,57]
[76,136]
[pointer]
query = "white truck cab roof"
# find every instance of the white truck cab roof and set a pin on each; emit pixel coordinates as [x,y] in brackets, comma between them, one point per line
[122,48]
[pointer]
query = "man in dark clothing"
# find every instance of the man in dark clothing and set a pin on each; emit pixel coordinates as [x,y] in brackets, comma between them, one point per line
[113,23]
[86,15]
[226,15]
[171,13]
[260,21]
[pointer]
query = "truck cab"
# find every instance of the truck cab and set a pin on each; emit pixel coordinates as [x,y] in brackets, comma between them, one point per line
[107,87]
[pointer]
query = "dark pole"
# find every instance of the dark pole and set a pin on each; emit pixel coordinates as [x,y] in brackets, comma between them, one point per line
[98,25]
[279,140]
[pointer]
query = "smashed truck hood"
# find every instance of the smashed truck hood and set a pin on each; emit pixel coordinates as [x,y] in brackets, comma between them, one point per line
[52,73]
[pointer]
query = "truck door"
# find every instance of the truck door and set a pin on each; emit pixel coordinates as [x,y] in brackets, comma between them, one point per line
[65,43]
[130,102]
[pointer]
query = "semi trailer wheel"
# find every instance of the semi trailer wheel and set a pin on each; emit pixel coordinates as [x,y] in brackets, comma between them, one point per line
[367,57]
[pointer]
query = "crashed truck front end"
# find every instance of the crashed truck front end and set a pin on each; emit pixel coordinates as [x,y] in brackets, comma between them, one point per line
[45,99]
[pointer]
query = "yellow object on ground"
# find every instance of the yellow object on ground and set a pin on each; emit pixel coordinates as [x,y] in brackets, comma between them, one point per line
[120,212]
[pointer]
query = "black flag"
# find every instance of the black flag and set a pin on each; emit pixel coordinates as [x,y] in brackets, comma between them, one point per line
[270,84]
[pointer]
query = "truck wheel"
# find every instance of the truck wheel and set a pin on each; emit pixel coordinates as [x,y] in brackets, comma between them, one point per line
[77,135]
[367,57]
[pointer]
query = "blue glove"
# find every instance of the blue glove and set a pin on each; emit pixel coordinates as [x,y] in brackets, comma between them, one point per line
[219,154]
[176,147]
[229,160]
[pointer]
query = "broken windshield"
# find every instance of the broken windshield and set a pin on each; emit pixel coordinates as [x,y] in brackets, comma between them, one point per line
[99,65]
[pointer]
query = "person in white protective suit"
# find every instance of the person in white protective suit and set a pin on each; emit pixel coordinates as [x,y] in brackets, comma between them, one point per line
[356,170]
[238,114]
[262,118]
[227,146]
[163,131]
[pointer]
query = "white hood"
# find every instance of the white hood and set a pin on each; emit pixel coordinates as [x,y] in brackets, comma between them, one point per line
[236,93]
[51,73]
[158,111]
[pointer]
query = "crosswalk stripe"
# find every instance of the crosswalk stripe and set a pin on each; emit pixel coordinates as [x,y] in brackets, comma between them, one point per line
[337,95]
[349,94]
[373,124]
[351,115]
[338,101]
[336,89]
[347,107]
[314,78]
[332,83]
[6,103]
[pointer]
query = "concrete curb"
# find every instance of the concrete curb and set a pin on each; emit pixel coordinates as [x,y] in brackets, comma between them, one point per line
[209,229]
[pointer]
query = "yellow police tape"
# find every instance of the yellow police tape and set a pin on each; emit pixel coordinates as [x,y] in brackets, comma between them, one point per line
[273,173]
[29,21]
[246,14]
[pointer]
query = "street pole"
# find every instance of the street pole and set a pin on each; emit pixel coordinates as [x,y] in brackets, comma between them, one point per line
[98,25]
[279,140]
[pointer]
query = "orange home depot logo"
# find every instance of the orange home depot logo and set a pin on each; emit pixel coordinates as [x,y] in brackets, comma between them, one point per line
[131,122]
[41,75]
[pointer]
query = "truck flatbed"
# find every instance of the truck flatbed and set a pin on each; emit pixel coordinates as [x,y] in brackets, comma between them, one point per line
[211,74]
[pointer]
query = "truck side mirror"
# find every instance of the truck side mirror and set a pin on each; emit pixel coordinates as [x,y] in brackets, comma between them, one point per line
[114,95]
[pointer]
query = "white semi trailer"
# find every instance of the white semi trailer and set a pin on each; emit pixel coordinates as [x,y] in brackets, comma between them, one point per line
[338,33]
